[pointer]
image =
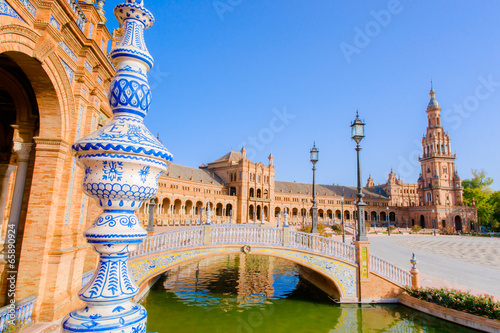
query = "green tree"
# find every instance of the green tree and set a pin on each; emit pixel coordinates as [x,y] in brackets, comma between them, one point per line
[495,216]
[477,190]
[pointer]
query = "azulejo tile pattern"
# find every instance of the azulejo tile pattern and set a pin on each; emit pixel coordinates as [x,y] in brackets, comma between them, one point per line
[122,162]
[68,70]
[88,66]
[66,49]
[7,10]
[54,22]
[29,7]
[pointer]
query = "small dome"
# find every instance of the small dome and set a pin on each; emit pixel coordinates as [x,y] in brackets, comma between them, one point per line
[433,104]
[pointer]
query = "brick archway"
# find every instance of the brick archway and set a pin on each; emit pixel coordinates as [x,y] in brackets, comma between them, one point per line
[49,120]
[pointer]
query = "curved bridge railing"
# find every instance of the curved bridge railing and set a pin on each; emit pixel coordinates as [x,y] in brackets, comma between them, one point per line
[228,234]
[235,234]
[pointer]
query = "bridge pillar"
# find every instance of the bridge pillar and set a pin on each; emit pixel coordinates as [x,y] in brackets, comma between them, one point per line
[286,236]
[206,234]
[122,161]
[363,259]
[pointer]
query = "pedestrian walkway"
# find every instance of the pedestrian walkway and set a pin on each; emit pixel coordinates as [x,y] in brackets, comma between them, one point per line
[460,262]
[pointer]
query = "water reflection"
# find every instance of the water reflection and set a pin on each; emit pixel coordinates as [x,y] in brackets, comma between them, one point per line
[247,293]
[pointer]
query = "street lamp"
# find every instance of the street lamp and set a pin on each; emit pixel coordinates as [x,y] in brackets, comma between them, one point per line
[152,205]
[433,222]
[358,133]
[342,217]
[314,159]
[388,220]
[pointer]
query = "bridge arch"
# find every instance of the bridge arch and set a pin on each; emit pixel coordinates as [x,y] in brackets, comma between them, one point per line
[341,286]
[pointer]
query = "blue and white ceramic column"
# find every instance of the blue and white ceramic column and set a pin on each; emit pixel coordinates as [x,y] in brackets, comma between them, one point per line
[122,161]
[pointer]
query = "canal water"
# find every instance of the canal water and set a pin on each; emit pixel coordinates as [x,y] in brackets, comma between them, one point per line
[249,294]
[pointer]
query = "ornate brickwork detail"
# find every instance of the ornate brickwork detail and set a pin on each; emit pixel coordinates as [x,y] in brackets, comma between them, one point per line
[73,170]
[45,49]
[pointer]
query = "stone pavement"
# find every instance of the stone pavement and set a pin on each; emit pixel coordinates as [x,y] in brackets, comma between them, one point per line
[459,262]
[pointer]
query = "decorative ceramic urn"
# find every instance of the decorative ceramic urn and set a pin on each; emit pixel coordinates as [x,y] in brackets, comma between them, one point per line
[122,163]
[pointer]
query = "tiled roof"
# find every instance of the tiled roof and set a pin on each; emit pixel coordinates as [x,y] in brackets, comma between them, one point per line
[231,156]
[198,174]
[328,190]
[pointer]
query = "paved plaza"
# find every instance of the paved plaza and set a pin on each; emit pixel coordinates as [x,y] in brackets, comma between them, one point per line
[466,263]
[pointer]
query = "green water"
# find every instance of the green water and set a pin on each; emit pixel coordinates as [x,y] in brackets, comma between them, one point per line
[247,294]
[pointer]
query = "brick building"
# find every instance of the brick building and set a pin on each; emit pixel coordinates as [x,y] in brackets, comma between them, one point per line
[54,77]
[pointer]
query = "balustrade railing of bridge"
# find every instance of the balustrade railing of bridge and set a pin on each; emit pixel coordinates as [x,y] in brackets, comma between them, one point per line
[244,234]
[390,271]
[328,246]
[254,234]
[17,316]
[170,240]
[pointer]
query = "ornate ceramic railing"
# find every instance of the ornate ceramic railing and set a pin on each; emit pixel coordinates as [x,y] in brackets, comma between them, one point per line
[82,19]
[390,271]
[328,246]
[243,235]
[246,234]
[21,312]
[177,239]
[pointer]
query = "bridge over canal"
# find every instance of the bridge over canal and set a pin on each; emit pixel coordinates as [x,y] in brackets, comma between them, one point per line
[335,266]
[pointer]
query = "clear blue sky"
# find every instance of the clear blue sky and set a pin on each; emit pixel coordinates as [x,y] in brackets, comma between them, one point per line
[224,70]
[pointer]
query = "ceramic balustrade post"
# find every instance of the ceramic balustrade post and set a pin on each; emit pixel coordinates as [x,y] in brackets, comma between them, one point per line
[415,273]
[122,162]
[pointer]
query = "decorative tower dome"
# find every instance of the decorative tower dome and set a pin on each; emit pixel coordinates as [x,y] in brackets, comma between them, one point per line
[392,177]
[433,103]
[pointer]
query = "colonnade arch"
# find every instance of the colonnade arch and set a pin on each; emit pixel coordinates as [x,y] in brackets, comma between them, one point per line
[44,120]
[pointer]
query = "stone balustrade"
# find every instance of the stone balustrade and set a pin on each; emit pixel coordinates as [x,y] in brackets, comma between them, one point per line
[81,18]
[390,271]
[243,235]
[228,234]
[19,314]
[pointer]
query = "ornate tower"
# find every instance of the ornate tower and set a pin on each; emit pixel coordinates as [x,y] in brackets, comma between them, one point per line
[370,182]
[122,162]
[438,183]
